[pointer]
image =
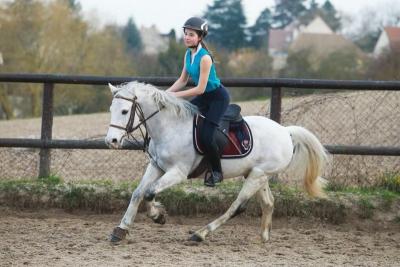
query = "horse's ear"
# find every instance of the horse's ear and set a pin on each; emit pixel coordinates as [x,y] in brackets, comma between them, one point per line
[113,89]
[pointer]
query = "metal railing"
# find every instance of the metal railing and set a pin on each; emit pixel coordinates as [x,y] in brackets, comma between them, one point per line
[45,143]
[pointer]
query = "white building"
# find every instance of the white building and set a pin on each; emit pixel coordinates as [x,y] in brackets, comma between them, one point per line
[153,41]
[388,40]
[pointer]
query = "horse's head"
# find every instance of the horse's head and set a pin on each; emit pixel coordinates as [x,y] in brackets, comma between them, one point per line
[141,100]
[123,112]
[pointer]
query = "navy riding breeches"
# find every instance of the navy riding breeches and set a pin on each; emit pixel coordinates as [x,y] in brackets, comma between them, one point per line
[212,105]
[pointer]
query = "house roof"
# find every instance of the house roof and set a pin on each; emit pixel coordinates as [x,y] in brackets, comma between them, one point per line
[393,34]
[323,44]
[281,39]
[317,25]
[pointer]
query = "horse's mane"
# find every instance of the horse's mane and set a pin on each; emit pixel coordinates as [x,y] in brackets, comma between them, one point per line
[178,106]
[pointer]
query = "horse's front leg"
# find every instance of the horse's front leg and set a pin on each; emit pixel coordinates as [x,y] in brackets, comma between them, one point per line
[172,177]
[152,174]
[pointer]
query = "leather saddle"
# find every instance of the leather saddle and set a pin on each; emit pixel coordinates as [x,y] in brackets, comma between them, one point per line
[233,137]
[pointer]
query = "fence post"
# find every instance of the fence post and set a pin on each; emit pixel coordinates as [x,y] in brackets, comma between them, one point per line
[47,128]
[276,104]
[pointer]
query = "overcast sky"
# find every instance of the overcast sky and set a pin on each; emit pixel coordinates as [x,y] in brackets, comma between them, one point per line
[172,13]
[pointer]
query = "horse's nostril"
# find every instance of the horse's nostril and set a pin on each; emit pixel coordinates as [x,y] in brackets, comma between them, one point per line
[114,140]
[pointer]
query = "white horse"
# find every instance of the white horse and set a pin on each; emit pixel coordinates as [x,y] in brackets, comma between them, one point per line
[173,156]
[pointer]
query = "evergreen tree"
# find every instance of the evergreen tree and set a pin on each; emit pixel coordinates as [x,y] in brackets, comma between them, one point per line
[260,31]
[226,24]
[327,12]
[131,36]
[171,61]
[310,13]
[172,34]
[330,15]
[75,5]
[313,5]
[287,11]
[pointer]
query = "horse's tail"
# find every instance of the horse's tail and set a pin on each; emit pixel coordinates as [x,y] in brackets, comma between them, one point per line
[308,159]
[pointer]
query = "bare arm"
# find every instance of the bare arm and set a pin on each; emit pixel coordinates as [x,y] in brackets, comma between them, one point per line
[205,67]
[182,80]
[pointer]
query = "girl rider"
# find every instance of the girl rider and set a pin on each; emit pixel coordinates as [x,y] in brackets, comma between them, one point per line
[211,97]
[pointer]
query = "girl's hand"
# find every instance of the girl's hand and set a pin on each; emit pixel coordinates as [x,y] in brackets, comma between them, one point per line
[173,93]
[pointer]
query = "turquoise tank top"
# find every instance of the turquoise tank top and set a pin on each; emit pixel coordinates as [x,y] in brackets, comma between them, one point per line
[194,69]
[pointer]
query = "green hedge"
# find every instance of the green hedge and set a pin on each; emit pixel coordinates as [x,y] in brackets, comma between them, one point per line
[192,198]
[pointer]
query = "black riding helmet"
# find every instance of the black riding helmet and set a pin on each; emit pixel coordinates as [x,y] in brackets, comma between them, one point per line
[197,24]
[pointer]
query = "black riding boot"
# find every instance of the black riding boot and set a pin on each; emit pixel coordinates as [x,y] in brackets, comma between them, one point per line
[212,153]
[212,178]
[215,175]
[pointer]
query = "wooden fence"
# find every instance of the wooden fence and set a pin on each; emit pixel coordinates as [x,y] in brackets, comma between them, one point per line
[45,143]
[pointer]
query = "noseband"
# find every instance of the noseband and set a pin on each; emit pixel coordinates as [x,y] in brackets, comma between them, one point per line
[129,129]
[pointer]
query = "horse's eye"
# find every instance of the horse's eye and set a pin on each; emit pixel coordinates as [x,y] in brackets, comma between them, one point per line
[124,112]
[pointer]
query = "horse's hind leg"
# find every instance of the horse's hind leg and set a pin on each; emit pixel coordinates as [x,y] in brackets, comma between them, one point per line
[266,200]
[252,184]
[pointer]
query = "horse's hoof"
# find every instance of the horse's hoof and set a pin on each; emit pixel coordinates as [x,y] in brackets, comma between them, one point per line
[196,238]
[161,219]
[118,235]
[114,239]
[149,195]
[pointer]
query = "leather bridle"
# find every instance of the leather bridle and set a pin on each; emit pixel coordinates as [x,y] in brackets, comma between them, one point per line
[136,109]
